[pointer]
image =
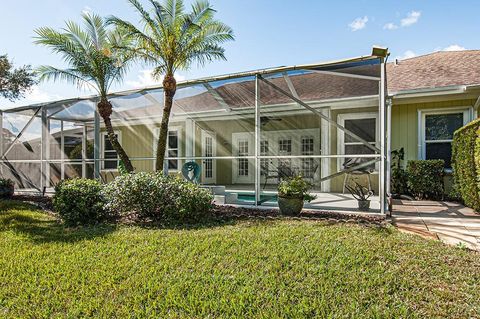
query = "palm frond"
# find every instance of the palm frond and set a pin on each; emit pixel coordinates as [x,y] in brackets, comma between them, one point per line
[95,28]
[46,72]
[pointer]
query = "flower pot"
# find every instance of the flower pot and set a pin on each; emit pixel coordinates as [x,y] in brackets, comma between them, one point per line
[6,191]
[290,206]
[364,205]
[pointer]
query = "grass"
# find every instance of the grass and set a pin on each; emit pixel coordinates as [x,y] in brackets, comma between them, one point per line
[244,269]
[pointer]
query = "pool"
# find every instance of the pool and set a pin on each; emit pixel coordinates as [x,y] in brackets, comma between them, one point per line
[264,198]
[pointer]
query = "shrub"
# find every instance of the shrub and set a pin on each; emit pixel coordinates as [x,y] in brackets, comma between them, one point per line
[157,196]
[466,163]
[7,188]
[79,201]
[425,178]
[399,176]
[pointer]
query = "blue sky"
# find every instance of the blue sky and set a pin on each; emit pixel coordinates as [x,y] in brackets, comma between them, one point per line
[268,33]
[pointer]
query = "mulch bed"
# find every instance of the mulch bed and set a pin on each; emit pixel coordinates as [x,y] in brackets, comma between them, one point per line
[233,212]
[225,212]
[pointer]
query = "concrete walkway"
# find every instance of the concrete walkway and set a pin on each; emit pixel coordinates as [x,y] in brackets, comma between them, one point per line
[449,222]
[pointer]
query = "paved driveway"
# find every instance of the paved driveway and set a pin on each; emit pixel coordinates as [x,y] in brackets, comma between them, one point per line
[452,223]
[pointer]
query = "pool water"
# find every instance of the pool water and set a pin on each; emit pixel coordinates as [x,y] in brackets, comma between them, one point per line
[272,198]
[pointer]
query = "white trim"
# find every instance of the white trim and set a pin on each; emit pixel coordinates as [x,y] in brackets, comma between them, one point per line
[156,133]
[341,134]
[421,114]
[102,150]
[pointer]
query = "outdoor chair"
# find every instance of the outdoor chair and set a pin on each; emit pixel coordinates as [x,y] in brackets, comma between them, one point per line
[281,172]
[351,162]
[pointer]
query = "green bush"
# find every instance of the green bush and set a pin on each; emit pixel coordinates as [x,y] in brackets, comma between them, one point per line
[79,201]
[425,179]
[7,188]
[399,176]
[157,196]
[295,187]
[466,163]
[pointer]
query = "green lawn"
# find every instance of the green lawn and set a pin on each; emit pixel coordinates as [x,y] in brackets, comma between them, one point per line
[243,269]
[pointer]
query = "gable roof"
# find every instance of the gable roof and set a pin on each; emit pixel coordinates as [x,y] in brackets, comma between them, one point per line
[438,69]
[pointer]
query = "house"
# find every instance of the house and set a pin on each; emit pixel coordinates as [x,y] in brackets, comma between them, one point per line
[325,121]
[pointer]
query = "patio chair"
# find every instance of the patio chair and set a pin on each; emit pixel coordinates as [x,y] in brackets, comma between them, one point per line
[351,162]
[191,172]
[280,173]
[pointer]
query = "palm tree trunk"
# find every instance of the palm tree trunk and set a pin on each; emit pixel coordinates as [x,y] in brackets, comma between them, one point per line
[169,89]
[105,111]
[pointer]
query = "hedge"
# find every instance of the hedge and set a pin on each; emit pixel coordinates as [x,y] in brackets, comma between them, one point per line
[466,163]
[425,179]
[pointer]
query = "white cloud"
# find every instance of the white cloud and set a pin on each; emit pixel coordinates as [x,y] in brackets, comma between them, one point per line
[390,26]
[35,95]
[358,23]
[411,18]
[453,47]
[406,55]
[146,78]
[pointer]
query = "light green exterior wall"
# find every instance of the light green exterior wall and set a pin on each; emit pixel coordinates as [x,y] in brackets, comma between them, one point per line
[405,128]
[138,139]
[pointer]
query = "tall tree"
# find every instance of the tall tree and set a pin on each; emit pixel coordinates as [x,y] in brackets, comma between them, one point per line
[93,61]
[14,82]
[171,39]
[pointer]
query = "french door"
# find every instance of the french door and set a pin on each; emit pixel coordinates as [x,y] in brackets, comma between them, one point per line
[209,165]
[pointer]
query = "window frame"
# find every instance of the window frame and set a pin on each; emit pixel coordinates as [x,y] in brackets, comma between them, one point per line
[103,135]
[422,114]
[341,134]
[156,134]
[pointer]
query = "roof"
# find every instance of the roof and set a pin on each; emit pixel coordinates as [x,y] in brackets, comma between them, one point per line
[434,70]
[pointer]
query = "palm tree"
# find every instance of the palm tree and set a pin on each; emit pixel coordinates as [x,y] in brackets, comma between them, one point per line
[171,39]
[92,62]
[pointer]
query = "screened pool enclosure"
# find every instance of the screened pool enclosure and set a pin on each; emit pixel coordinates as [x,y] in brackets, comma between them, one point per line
[328,122]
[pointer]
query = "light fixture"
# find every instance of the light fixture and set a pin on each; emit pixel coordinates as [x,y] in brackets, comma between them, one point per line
[379,51]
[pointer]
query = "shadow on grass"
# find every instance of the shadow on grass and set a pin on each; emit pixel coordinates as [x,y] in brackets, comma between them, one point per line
[39,227]
[27,220]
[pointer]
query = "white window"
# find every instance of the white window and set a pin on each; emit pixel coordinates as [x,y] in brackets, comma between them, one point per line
[436,132]
[109,155]
[365,126]
[173,147]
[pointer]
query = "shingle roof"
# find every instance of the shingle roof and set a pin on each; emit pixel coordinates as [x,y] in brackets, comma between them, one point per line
[438,69]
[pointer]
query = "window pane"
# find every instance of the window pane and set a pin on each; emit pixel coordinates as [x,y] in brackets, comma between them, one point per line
[110,164]
[109,155]
[354,161]
[442,126]
[172,139]
[172,164]
[364,128]
[108,145]
[285,146]
[307,145]
[440,151]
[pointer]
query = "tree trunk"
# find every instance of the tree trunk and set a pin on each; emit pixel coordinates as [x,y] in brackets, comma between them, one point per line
[105,111]
[169,89]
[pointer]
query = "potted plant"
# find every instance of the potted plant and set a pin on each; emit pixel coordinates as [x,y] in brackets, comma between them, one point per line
[292,193]
[361,194]
[7,188]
